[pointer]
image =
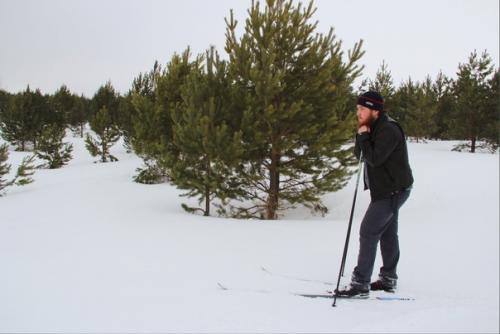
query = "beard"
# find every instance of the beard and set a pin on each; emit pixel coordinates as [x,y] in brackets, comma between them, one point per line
[367,121]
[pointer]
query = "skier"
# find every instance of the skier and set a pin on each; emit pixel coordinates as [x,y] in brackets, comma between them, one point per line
[388,175]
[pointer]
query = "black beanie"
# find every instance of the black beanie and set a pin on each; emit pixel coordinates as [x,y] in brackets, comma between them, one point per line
[372,100]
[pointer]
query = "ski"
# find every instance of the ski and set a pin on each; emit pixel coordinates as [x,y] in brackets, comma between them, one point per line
[330,295]
[326,294]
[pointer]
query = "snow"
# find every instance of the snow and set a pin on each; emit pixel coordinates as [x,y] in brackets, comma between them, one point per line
[85,249]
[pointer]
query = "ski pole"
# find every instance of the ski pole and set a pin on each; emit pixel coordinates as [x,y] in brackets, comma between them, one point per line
[346,244]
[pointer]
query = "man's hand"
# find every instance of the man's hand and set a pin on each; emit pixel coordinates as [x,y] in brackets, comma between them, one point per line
[363,128]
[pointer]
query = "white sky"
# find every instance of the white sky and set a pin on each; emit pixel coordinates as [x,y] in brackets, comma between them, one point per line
[84,43]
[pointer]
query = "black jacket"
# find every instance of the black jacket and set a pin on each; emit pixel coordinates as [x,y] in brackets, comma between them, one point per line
[386,158]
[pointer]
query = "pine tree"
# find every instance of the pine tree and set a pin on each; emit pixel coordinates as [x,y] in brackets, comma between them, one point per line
[51,147]
[107,135]
[297,119]
[48,113]
[63,101]
[415,105]
[148,145]
[24,171]
[125,120]
[445,103]
[210,149]
[142,125]
[420,122]
[4,167]
[383,83]
[473,110]
[403,101]
[26,113]
[155,96]
[17,122]
[104,123]
[11,123]
[4,101]
[491,134]
[74,109]
[78,115]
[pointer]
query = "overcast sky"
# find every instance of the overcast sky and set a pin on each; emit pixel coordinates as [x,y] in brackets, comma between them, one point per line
[84,43]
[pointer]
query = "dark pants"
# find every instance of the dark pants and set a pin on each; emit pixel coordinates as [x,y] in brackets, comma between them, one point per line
[380,223]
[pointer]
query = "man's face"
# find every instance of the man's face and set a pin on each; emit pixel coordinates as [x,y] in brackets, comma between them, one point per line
[366,115]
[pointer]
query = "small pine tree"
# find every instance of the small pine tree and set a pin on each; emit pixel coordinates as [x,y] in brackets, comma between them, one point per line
[150,173]
[473,112]
[296,120]
[51,147]
[63,101]
[420,118]
[24,171]
[16,120]
[4,167]
[27,112]
[402,101]
[210,148]
[383,83]
[78,115]
[491,134]
[4,101]
[442,88]
[107,134]
[142,125]
[415,106]
[125,123]
[154,97]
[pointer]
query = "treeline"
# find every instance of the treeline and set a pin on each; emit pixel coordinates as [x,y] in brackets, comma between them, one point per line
[32,121]
[25,115]
[270,128]
[38,123]
[465,108]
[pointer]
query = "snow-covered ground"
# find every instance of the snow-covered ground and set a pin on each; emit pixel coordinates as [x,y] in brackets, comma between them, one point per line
[85,249]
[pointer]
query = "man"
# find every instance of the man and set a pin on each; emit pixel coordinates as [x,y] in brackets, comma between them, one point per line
[388,175]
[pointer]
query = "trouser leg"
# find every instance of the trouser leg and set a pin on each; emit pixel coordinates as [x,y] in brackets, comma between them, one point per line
[389,243]
[380,221]
[377,216]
